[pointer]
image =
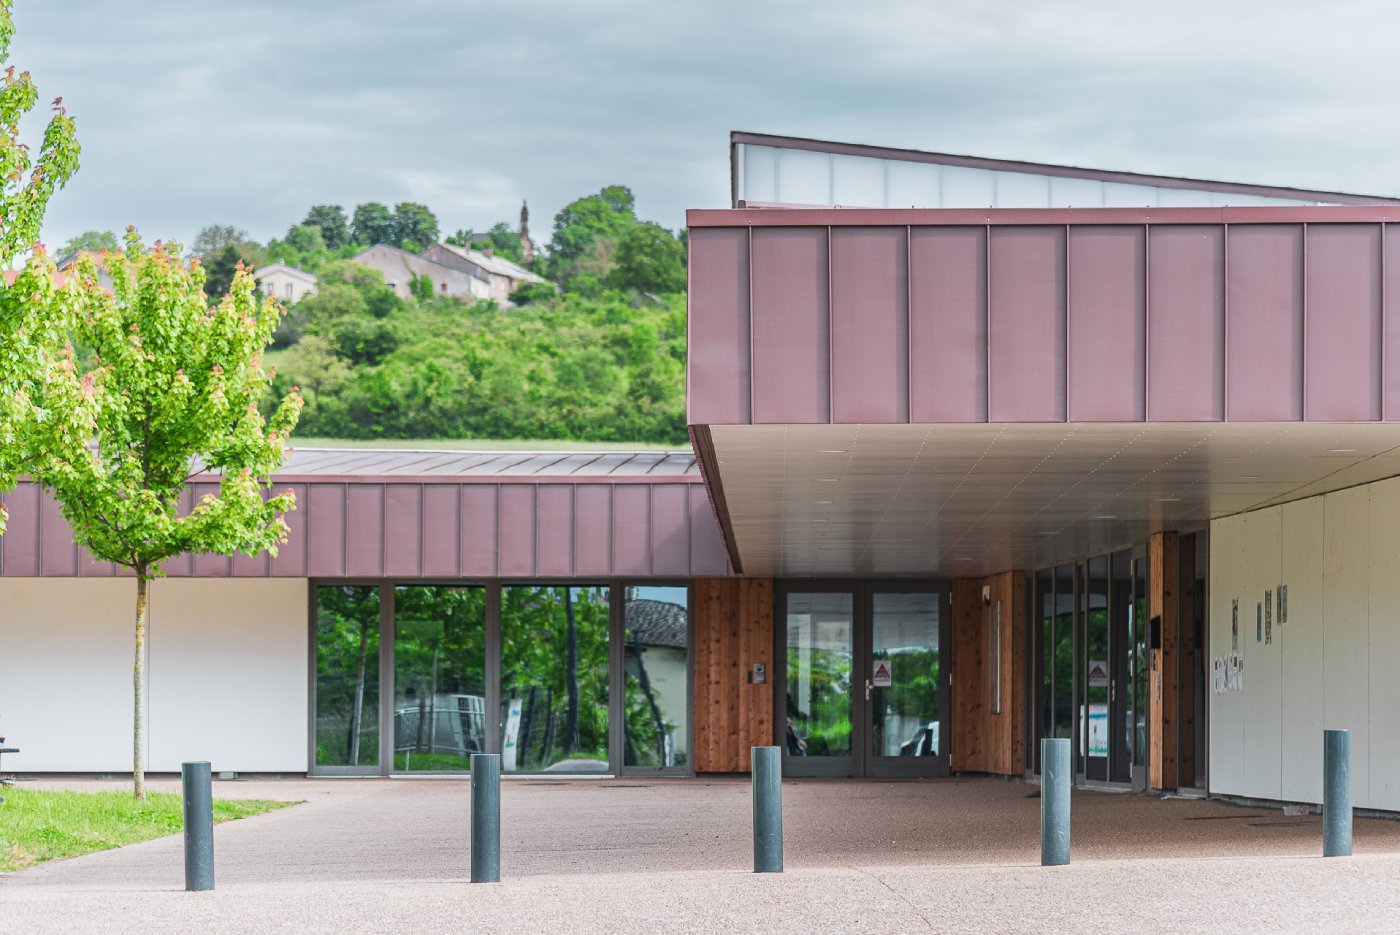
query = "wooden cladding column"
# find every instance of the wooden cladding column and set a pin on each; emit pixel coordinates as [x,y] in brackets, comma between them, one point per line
[733,630]
[988,733]
[1162,605]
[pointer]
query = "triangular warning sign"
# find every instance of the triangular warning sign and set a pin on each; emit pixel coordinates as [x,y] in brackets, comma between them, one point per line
[882,671]
[1097,672]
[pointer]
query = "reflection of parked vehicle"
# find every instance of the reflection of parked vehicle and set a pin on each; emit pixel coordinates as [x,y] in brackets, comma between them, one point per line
[453,724]
[923,743]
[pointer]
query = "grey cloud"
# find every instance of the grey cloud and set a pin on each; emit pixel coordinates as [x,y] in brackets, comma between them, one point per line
[199,112]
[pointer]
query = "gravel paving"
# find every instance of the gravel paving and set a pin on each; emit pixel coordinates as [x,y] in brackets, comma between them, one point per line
[629,855]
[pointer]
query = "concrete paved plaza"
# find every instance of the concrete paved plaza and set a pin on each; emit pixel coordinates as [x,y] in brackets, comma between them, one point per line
[674,856]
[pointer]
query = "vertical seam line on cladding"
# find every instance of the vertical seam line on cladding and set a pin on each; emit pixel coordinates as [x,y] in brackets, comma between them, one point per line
[1380,376]
[908,318]
[1303,383]
[496,533]
[384,529]
[1064,387]
[747,376]
[344,529]
[422,527]
[1146,321]
[457,530]
[1225,321]
[830,342]
[987,325]
[572,490]
[651,518]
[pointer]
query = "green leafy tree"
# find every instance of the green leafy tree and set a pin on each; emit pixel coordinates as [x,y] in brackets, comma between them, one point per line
[172,392]
[373,224]
[91,242]
[334,225]
[587,232]
[306,238]
[28,180]
[649,259]
[414,227]
[217,237]
[219,269]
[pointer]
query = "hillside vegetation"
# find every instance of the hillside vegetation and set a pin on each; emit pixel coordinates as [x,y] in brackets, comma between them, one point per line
[599,358]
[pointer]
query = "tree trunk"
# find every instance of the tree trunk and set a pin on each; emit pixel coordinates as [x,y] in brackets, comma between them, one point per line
[354,746]
[571,738]
[656,719]
[138,685]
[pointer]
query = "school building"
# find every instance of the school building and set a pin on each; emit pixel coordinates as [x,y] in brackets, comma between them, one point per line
[982,452]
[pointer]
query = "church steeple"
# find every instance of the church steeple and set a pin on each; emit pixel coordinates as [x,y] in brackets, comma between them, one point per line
[527,250]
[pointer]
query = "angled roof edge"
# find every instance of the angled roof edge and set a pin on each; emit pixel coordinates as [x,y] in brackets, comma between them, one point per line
[737,137]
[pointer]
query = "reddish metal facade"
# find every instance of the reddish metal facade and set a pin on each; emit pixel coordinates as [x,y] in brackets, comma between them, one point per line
[1044,315]
[372,528]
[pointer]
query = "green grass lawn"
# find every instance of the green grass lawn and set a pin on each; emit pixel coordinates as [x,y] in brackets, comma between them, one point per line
[38,825]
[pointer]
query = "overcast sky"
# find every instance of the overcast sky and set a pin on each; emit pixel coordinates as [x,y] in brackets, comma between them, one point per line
[193,112]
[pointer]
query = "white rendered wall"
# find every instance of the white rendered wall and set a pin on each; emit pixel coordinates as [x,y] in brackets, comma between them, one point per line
[226,674]
[1332,665]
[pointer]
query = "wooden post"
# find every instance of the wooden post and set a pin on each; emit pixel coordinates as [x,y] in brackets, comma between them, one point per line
[1163,606]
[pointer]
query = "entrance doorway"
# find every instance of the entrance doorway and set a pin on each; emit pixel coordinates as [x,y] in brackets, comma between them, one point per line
[862,681]
[1090,639]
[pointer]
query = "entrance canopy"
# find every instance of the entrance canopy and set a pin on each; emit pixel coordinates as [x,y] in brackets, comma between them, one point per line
[934,392]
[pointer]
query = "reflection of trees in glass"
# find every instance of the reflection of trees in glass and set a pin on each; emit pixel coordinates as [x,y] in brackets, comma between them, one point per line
[347,675]
[554,659]
[655,656]
[440,680]
[823,717]
[1064,675]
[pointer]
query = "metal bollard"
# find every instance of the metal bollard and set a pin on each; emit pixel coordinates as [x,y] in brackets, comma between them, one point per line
[486,818]
[1056,777]
[199,825]
[1336,793]
[767,809]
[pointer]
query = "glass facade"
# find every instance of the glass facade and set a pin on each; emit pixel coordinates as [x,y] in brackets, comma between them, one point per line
[820,657]
[347,676]
[439,677]
[558,678]
[554,679]
[905,705]
[656,666]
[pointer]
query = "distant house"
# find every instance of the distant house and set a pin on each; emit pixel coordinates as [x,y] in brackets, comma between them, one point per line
[503,276]
[399,267]
[287,283]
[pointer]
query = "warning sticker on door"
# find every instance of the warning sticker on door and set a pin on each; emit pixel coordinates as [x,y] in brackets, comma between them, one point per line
[1098,673]
[883,676]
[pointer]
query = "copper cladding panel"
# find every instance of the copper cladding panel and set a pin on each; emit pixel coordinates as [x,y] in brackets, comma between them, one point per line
[1107,325]
[1343,330]
[870,324]
[1264,322]
[1026,331]
[948,324]
[1186,324]
[790,326]
[718,387]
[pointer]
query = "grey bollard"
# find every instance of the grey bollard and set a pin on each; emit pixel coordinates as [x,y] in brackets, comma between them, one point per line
[1055,781]
[199,825]
[486,818]
[1336,793]
[767,810]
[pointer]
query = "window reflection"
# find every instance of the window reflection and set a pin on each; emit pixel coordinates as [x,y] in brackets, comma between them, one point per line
[904,642]
[347,676]
[819,670]
[554,679]
[439,677]
[656,661]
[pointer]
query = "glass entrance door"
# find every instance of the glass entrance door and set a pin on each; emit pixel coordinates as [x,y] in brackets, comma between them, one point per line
[862,686]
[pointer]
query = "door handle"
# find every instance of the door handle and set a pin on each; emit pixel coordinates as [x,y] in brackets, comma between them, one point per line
[869,685]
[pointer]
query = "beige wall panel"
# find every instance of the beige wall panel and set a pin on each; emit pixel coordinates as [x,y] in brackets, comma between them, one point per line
[1346,597]
[228,674]
[65,692]
[1384,648]
[1227,574]
[1302,648]
[1260,699]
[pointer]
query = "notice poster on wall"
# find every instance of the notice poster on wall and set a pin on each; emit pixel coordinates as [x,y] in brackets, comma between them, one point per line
[1258,621]
[1282,604]
[1098,730]
[1268,617]
[1235,625]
